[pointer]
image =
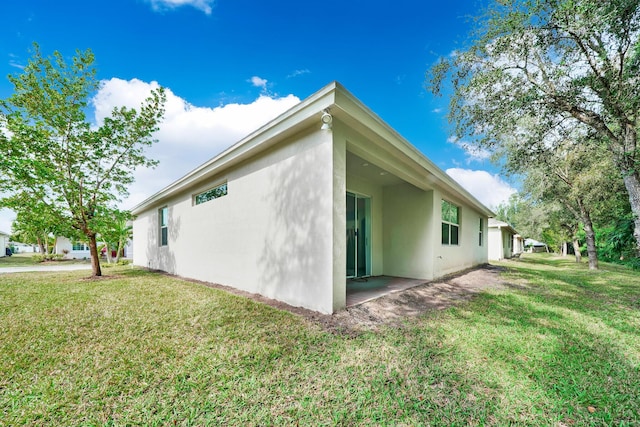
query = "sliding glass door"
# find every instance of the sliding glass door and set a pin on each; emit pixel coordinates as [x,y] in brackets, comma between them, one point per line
[358,235]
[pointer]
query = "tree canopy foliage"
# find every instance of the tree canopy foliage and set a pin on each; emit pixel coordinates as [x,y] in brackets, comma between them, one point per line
[538,72]
[53,155]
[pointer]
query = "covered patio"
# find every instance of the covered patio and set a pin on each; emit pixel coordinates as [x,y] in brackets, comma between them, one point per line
[363,289]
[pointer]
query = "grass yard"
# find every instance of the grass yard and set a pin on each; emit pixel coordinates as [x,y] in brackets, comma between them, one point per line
[27,260]
[561,348]
[18,260]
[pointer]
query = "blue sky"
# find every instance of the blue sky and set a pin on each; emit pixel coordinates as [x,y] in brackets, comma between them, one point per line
[231,65]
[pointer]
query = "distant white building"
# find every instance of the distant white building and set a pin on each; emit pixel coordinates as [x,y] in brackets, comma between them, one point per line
[72,250]
[23,248]
[4,243]
[504,240]
[534,246]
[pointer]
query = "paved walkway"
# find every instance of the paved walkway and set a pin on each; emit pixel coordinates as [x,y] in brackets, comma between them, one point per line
[68,267]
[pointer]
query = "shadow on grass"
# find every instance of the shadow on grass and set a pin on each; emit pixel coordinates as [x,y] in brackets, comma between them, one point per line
[566,349]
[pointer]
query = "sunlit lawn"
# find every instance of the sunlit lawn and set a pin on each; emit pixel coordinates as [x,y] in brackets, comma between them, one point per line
[28,259]
[17,260]
[560,347]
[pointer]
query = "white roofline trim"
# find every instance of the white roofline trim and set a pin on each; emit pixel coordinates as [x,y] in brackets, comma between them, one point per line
[333,96]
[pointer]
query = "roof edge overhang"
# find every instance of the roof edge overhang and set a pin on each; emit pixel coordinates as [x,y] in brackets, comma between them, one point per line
[259,140]
[342,104]
[348,104]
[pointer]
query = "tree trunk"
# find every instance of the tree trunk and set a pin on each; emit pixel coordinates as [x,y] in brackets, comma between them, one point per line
[95,258]
[590,238]
[41,246]
[632,183]
[576,250]
[119,252]
[107,252]
[564,249]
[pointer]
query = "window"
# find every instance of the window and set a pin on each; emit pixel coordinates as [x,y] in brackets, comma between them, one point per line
[480,232]
[163,216]
[79,247]
[450,223]
[213,193]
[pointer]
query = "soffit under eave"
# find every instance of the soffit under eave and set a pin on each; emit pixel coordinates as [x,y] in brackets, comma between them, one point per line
[390,151]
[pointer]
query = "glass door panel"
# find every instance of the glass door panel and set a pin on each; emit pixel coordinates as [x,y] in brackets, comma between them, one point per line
[358,232]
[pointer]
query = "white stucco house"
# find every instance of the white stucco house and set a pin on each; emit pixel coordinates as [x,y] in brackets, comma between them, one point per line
[4,243]
[504,240]
[72,250]
[21,248]
[325,192]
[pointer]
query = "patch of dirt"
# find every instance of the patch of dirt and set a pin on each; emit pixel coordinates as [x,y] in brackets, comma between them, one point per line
[394,307]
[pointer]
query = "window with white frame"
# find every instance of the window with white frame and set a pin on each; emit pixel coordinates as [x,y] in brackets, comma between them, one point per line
[450,223]
[77,246]
[163,222]
[212,193]
[481,232]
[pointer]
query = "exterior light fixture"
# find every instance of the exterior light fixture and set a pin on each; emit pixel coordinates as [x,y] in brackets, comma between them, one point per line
[326,120]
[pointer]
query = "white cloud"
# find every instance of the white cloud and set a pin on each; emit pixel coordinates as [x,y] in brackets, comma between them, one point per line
[437,110]
[259,82]
[162,5]
[473,152]
[491,190]
[297,73]
[189,135]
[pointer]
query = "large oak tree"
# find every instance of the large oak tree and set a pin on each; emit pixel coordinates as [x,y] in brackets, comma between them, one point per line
[53,153]
[559,63]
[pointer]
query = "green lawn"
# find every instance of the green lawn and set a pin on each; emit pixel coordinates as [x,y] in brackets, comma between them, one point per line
[27,259]
[17,260]
[561,347]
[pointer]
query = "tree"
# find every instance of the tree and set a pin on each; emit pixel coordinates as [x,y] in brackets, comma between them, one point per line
[36,222]
[53,153]
[562,63]
[116,232]
[526,214]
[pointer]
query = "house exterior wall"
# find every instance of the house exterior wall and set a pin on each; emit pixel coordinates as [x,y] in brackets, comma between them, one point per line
[469,252]
[518,244]
[495,244]
[500,243]
[63,243]
[408,234]
[4,243]
[272,234]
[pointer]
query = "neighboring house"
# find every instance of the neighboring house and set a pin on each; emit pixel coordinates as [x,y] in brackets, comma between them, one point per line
[4,243]
[21,248]
[534,246]
[518,244]
[504,240]
[325,192]
[78,250]
[72,250]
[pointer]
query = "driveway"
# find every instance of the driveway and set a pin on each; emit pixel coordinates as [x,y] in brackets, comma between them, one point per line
[68,267]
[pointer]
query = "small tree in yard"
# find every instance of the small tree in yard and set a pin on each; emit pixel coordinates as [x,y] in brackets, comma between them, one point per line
[36,221]
[115,233]
[52,152]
